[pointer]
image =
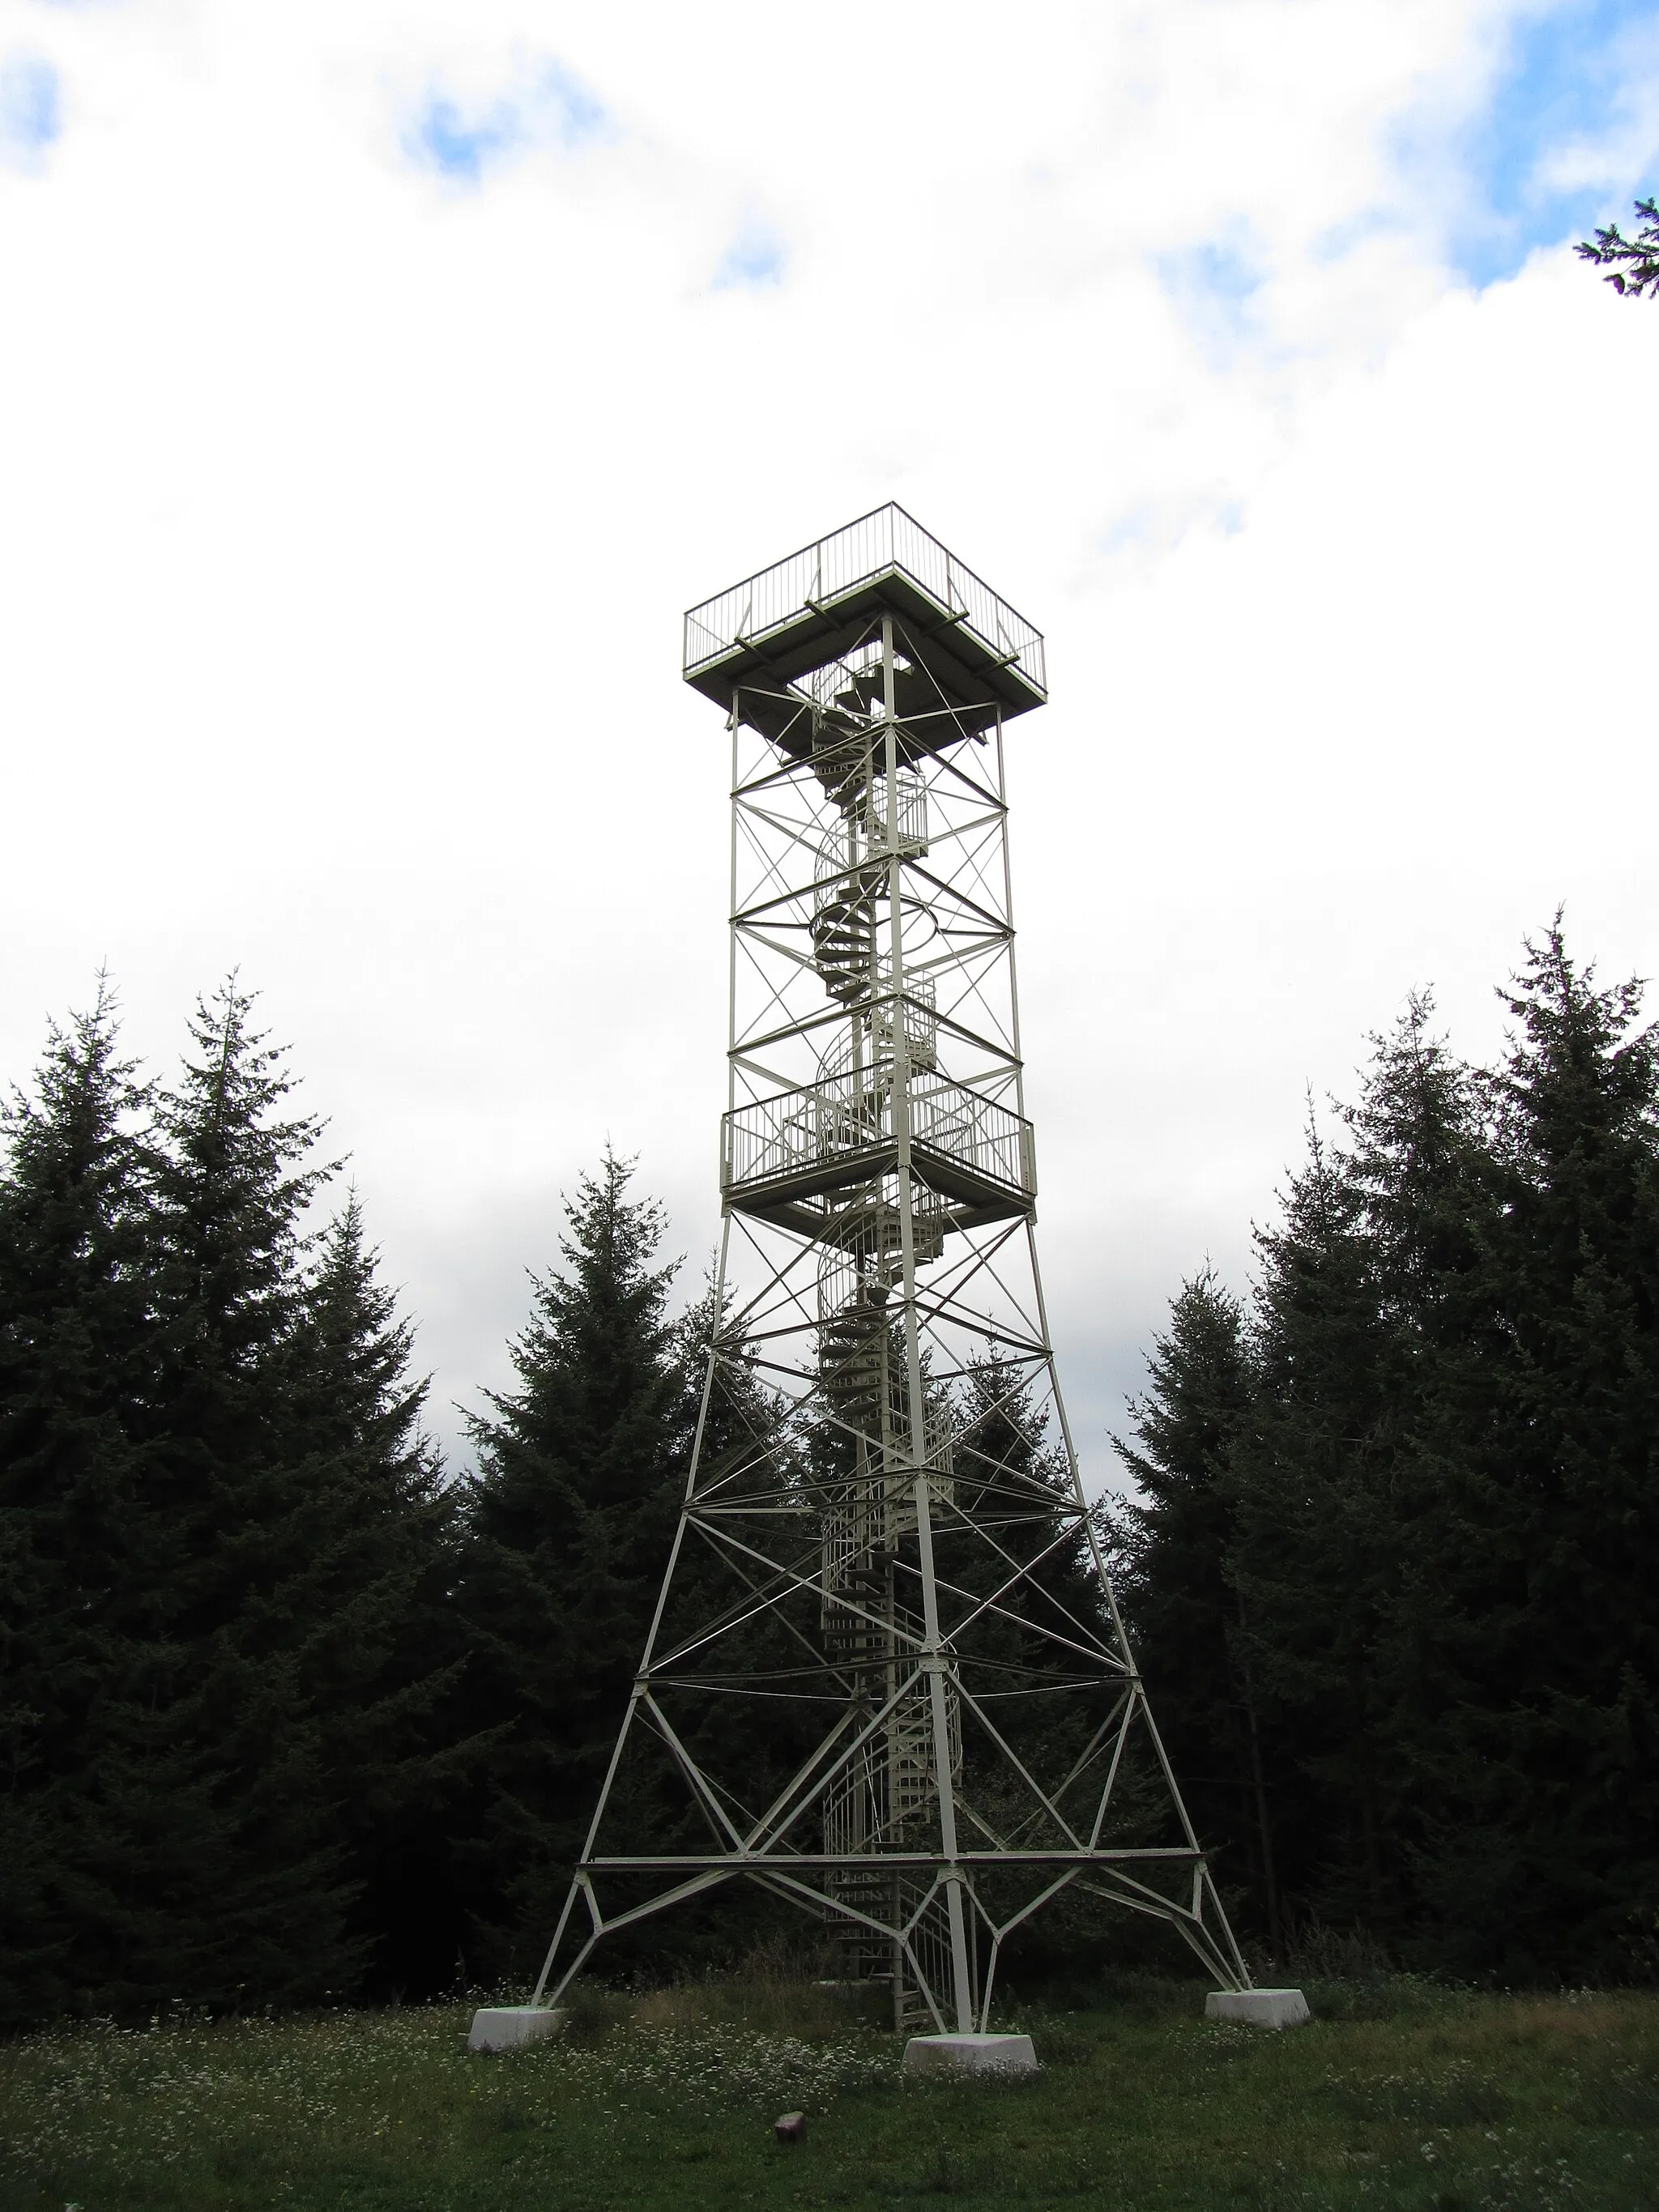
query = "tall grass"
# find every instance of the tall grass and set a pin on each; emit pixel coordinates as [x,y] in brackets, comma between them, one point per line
[1400,2094]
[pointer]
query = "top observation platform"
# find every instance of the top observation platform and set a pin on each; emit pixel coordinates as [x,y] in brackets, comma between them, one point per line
[971,655]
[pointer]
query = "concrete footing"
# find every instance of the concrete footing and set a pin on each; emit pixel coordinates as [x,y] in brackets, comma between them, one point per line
[969,2054]
[510,2028]
[1258,2008]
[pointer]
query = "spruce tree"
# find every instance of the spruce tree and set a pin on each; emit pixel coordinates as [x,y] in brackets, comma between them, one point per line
[569,1520]
[1543,1855]
[224,1547]
[1174,1543]
[74,1333]
[1305,1556]
[293,1542]
[365,1586]
[1420,1157]
[234,1734]
[1435,1499]
[1632,263]
[1367,1314]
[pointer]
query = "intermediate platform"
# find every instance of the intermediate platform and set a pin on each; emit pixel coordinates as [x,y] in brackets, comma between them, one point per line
[784,1157]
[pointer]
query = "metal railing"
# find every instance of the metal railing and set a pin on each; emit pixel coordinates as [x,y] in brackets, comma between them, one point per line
[826,1121]
[994,1142]
[877,542]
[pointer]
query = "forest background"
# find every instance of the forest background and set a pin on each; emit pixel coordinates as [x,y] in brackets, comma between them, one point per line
[290,1711]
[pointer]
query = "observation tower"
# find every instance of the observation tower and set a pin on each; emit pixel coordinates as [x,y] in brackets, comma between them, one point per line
[887,1679]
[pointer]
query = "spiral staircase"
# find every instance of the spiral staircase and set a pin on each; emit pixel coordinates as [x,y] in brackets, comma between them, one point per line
[886,1798]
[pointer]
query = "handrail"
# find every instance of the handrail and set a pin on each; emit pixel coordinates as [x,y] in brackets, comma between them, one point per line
[826,1121]
[885,539]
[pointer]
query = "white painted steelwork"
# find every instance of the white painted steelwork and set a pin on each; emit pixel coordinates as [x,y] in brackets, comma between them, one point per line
[883,1492]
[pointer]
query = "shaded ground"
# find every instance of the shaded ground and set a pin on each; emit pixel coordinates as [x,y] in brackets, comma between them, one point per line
[1397,2096]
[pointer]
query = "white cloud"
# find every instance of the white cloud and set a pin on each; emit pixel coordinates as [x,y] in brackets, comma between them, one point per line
[348,522]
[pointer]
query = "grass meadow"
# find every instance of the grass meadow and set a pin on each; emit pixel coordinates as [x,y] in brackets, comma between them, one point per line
[1400,2094]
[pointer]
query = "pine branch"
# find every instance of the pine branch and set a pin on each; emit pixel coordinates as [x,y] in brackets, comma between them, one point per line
[1640,254]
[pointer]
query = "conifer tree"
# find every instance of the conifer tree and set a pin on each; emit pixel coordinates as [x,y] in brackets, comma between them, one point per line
[1420,1157]
[225,1551]
[276,1609]
[1174,1543]
[569,1524]
[1543,1853]
[366,1588]
[74,1336]
[1303,1542]
[235,1736]
[1632,263]
[1366,1312]
[1438,1504]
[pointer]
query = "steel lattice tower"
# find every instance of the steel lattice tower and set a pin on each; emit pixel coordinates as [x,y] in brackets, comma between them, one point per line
[884,1548]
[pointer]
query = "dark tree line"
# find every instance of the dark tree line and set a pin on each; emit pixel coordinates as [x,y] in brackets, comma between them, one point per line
[284,1712]
[219,1526]
[287,1710]
[1394,1560]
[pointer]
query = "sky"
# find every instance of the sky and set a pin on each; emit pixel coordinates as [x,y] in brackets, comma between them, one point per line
[378,383]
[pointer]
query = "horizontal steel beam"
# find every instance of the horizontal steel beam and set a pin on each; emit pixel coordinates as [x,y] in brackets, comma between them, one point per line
[883,1862]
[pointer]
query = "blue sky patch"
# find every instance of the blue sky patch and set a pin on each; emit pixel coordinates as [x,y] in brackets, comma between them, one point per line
[31,108]
[457,145]
[462,140]
[1211,285]
[1569,78]
[1211,272]
[754,258]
